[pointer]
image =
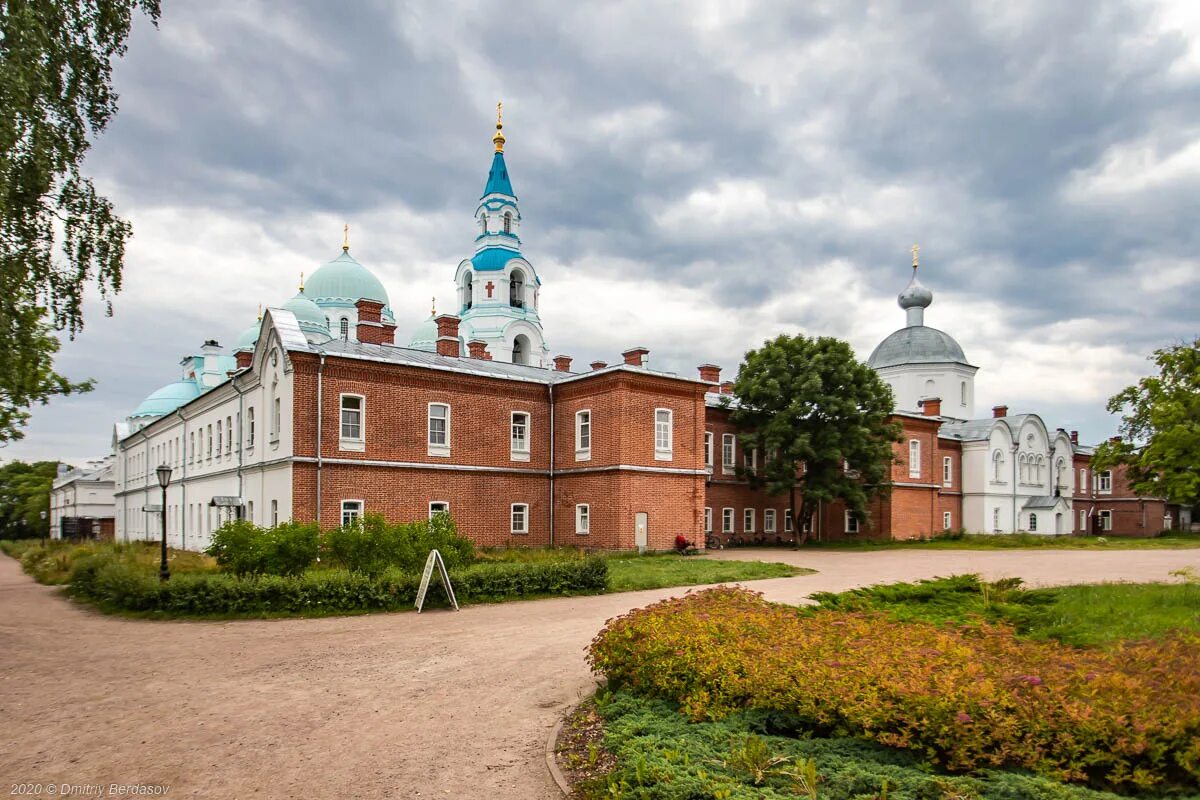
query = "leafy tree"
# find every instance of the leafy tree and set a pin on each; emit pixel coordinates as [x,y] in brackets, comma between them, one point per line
[1160,428]
[55,96]
[24,493]
[820,417]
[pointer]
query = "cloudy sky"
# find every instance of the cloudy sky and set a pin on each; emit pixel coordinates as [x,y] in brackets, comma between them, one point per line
[694,177]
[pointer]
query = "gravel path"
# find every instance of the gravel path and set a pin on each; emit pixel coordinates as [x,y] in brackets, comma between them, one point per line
[440,704]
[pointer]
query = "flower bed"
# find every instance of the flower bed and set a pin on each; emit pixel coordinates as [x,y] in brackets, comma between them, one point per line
[962,697]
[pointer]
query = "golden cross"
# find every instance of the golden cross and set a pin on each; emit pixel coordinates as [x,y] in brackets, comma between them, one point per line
[915,249]
[302,281]
[433,306]
[346,238]
[499,109]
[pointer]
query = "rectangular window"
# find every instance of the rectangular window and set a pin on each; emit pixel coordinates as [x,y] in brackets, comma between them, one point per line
[352,417]
[228,435]
[851,522]
[708,451]
[708,520]
[748,520]
[1104,482]
[438,507]
[218,438]
[752,460]
[583,519]
[439,429]
[727,520]
[946,520]
[914,458]
[250,427]
[274,512]
[351,511]
[583,435]
[728,452]
[1033,522]
[787,521]
[520,518]
[277,420]
[1106,520]
[947,471]
[208,443]
[663,443]
[769,521]
[1083,522]
[1083,484]
[519,436]
[995,520]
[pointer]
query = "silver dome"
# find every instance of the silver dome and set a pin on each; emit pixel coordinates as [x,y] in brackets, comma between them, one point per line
[917,344]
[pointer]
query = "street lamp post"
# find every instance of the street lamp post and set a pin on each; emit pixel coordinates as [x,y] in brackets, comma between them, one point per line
[45,528]
[164,477]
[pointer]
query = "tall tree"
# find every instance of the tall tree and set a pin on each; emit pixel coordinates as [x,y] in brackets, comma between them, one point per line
[819,416]
[55,96]
[1160,428]
[24,494]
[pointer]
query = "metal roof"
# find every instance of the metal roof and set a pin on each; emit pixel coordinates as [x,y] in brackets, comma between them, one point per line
[917,344]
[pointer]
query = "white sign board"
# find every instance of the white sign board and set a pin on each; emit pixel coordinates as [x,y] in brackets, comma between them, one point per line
[435,558]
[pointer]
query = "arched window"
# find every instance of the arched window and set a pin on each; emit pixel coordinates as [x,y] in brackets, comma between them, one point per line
[516,289]
[344,328]
[508,222]
[997,465]
[483,223]
[1033,522]
[1060,475]
[930,388]
[1021,468]
[520,351]
[469,291]
[1041,465]
[962,390]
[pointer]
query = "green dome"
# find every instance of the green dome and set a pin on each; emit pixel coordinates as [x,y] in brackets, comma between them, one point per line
[344,281]
[308,313]
[167,399]
[425,336]
[249,337]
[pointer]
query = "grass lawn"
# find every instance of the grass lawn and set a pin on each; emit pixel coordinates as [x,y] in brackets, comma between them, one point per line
[630,573]
[972,541]
[1087,615]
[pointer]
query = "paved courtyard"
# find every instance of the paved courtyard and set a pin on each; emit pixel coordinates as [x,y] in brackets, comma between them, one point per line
[389,705]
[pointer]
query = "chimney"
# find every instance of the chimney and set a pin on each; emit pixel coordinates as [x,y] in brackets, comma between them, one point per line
[635,356]
[244,357]
[369,310]
[727,387]
[999,411]
[562,363]
[211,374]
[369,329]
[710,373]
[388,334]
[598,365]
[447,341]
[477,348]
[1074,437]
[931,406]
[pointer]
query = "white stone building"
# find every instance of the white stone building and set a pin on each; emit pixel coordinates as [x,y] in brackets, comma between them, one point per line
[81,501]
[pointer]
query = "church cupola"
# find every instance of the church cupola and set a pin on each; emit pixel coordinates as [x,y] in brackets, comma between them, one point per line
[915,298]
[497,288]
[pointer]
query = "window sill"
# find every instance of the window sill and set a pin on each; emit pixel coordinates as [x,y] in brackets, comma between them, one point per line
[583,455]
[439,451]
[352,445]
[583,533]
[519,455]
[663,455]
[519,533]
[727,470]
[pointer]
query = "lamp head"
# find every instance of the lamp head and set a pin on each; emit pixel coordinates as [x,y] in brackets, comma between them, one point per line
[164,475]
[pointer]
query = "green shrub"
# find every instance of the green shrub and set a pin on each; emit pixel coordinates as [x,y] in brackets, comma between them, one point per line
[372,545]
[243,548]
[963,697]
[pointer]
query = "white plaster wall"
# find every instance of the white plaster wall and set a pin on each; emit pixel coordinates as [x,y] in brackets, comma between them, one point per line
[911,383]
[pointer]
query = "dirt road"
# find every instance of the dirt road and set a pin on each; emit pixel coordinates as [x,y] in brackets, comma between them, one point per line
[441,704]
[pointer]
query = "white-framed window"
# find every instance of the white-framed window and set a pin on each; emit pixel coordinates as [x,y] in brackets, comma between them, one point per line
[769,520]
[228,435]
[508,217]
[748,520]
[914,458]
[1104,482]
[439,429]
[191,448]
[1083,484]
[519,518]
[344,328]
[787,520]
[851,522]
[583,435]
[663,443]
[583,519]
[218,438]
[947,471]
[962,391]
[995,520]
[707,520]
[1083,521]
[708,451]
[351,511]
[250,510]
[752,460]
[728,453]
[276,420]
[250,427]
[1032,521]
[274,513]
[947,520]
[208,444]
[519,436]
[1105,520]
[352,410]
[997,467]
[727,520]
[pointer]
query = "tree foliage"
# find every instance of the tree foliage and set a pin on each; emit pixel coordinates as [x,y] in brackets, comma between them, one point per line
[819,418]
[1160,428]
[55,96]
[24,493]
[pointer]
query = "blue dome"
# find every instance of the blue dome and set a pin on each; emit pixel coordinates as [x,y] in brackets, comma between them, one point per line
[344,281]
[425,336]
[493,259]
[167,399]
[249,337]
[308,315]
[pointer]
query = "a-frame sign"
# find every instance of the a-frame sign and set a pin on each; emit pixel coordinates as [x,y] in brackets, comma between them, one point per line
[435,558]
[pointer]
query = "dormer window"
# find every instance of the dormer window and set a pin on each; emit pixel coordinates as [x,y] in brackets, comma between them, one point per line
[344,328]
[508,222]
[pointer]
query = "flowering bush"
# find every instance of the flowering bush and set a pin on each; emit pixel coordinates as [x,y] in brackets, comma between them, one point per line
[963,697]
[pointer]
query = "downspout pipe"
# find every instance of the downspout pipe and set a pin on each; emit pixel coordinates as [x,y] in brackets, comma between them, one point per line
[1016,446]
[550,394]
[241,442]
[320,405]
[183,515]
